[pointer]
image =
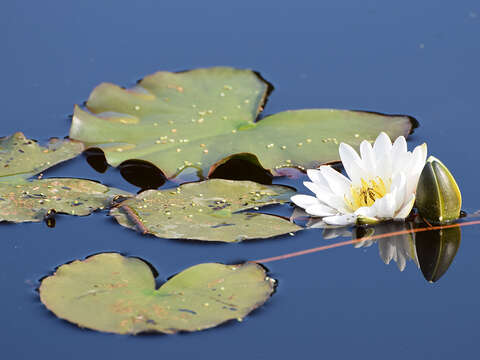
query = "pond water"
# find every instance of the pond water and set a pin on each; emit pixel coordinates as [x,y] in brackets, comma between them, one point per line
[410,57]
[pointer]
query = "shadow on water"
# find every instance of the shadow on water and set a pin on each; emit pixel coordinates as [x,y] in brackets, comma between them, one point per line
[241,167]
[147,176]
[96,159]
[137,172]
[142,174]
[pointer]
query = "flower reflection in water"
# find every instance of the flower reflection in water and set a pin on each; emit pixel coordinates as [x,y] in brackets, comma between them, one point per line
[431,251]
[399,248]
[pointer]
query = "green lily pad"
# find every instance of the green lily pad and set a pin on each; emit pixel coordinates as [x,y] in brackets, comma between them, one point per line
[198,118]
[112,293]
[208,210]
[22,200]
[33,200]
[21,158]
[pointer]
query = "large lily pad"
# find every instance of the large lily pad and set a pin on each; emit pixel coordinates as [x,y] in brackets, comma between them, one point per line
[208,210]
[198,118]
[21,158]
[112,293]
[33,200]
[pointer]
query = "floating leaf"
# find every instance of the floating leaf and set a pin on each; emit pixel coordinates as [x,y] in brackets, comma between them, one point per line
[112,293]
[21,158]
[198,118]
[33,200]
[208,210]
[21,200]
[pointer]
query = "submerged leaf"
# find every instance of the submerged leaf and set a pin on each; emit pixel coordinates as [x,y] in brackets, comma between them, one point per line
[198,118]
[112,293]
[208,210]
[21,158]
[33,200]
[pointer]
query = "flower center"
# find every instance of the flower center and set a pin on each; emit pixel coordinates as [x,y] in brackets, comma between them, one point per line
[367,193]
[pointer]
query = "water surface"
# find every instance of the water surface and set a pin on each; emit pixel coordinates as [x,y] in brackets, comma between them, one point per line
[406,57]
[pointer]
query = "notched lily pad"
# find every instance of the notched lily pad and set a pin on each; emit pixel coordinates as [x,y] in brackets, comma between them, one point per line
[197,118]
[210,210]
[21,158]
[33,200]
[112,293]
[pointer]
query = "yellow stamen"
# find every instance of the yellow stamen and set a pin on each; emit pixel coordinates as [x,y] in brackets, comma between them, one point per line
[367,193]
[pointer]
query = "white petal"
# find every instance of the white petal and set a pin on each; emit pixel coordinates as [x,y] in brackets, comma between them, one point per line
[347,219]
[316,188]
[366,211]
[316,176]
[420,153]
[382,146]
[351,162]
[398,187]
[397,180]
[385,207]
[418,162]
[327,197]
[402,163]
[419,158]
[412,182]
[338,183]
[398,149]
[405,210]
[368,158]
[320,210]
[334,201]
[304,201]
[385,166]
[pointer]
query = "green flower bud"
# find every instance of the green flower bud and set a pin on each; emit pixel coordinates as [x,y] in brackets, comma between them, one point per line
[438,198]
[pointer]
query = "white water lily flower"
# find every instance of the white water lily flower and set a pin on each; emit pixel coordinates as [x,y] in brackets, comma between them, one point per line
[381,185]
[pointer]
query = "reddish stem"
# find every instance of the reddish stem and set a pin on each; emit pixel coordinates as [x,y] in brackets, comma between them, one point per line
[134,218]
[354,241]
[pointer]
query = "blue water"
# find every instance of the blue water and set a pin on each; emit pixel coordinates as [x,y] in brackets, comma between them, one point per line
[417,58]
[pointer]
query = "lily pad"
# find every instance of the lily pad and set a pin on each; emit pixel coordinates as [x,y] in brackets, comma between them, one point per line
[21,158]
[112,293]
[210,210]
[33,200]
[200,117]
